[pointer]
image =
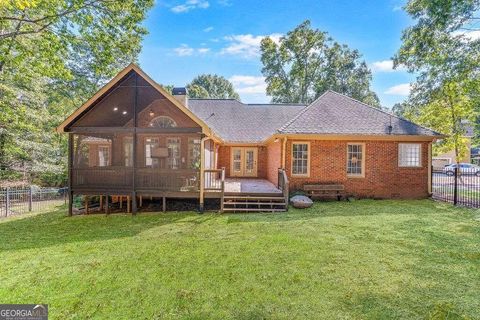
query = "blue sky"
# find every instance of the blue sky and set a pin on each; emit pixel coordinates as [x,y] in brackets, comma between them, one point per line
[190,37]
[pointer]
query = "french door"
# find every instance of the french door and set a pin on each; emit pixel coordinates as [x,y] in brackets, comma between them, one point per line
[244,162]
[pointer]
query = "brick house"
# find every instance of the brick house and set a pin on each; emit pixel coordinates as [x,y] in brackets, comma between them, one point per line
[134,141]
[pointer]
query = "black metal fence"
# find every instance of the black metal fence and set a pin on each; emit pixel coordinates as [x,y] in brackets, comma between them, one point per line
[15,201]
[457,186]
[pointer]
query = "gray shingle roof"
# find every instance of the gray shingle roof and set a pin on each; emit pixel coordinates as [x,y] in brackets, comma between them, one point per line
[237,122]
[331,113]
[335,113]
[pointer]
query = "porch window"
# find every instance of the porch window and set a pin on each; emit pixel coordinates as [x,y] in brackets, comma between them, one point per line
[355,160]
[173,160]
[409,154]
[194,153]
[163,122]
[128,151]
[150,145]
[300,158]
[103,156]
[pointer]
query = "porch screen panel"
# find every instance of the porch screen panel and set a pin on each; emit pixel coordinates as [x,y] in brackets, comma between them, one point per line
[114,109]
[102,160]
[167,162]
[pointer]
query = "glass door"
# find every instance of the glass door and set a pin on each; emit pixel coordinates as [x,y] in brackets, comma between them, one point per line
[244,162]
[237,168]
[250,162]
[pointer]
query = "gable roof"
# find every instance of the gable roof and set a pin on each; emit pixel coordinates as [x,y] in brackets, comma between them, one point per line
[236,122]
[335,113]
[131,67]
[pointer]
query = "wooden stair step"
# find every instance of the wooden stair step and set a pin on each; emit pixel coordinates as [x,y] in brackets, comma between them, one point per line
[254,198]
[254,209]
[256,203]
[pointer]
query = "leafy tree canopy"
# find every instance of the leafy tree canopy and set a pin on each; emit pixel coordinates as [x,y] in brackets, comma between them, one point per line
[211,86]
[442,48]
[54,54]
[307,62]
[441,45]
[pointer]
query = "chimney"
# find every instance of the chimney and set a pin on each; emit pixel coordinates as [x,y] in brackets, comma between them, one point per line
[181,95]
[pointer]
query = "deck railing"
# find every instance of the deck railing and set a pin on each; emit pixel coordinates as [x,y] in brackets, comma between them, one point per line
[102,177]
[183,180]
[214,179]
[283,184]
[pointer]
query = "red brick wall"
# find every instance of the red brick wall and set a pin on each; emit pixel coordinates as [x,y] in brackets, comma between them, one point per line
[274,161]
[224,157]
[383,177]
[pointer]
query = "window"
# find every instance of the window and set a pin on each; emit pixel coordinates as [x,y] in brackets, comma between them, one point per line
[409,154]
[355,160]
[128,151]
[150,145]
[103,156]
[300,159]
[194,153]
[173,160]
[163,122]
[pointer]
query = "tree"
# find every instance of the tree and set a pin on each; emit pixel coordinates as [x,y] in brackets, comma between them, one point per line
[440,48]
[54,55]
[211,86]
[447,112]
[307,62]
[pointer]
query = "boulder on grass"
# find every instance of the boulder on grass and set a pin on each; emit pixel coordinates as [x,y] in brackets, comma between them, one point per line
[301,202]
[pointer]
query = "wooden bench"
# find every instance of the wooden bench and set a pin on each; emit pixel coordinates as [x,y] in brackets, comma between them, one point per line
[321,191]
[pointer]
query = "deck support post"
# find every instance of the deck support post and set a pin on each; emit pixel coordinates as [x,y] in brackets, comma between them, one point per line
[86,204]
[107,204]
[164,204]
[134,203]
[101,202]
[202,173]
[128,204]
[70,202]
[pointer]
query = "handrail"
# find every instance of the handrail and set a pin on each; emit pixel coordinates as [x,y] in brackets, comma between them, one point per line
[283,185]
[222,186]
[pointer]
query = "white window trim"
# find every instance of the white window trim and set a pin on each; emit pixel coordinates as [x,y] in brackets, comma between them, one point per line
[353,175]
[301,175]
[419,155]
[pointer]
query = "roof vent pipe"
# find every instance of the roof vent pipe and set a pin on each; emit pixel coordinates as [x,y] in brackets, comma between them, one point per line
[180,94]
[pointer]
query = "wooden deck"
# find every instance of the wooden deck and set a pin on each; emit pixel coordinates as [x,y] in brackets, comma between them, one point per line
[250,186]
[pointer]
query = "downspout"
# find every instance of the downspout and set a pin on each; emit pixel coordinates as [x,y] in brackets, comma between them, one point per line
[284,152]
[429,169]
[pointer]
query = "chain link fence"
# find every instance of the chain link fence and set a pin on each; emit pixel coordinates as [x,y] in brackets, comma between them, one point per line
[15,201]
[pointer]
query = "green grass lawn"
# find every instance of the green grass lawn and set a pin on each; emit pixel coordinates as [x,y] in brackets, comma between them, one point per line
[350,260]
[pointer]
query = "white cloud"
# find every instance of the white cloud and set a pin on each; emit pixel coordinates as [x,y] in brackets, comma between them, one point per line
[208,29]
[186,50]
[248,84]
[190,5]
[470,35]
[246,45]
[399,90]
[385,66]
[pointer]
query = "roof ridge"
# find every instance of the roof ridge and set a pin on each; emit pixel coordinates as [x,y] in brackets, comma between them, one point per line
[383,111]
[288,123]
[277,104]
[223,99]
